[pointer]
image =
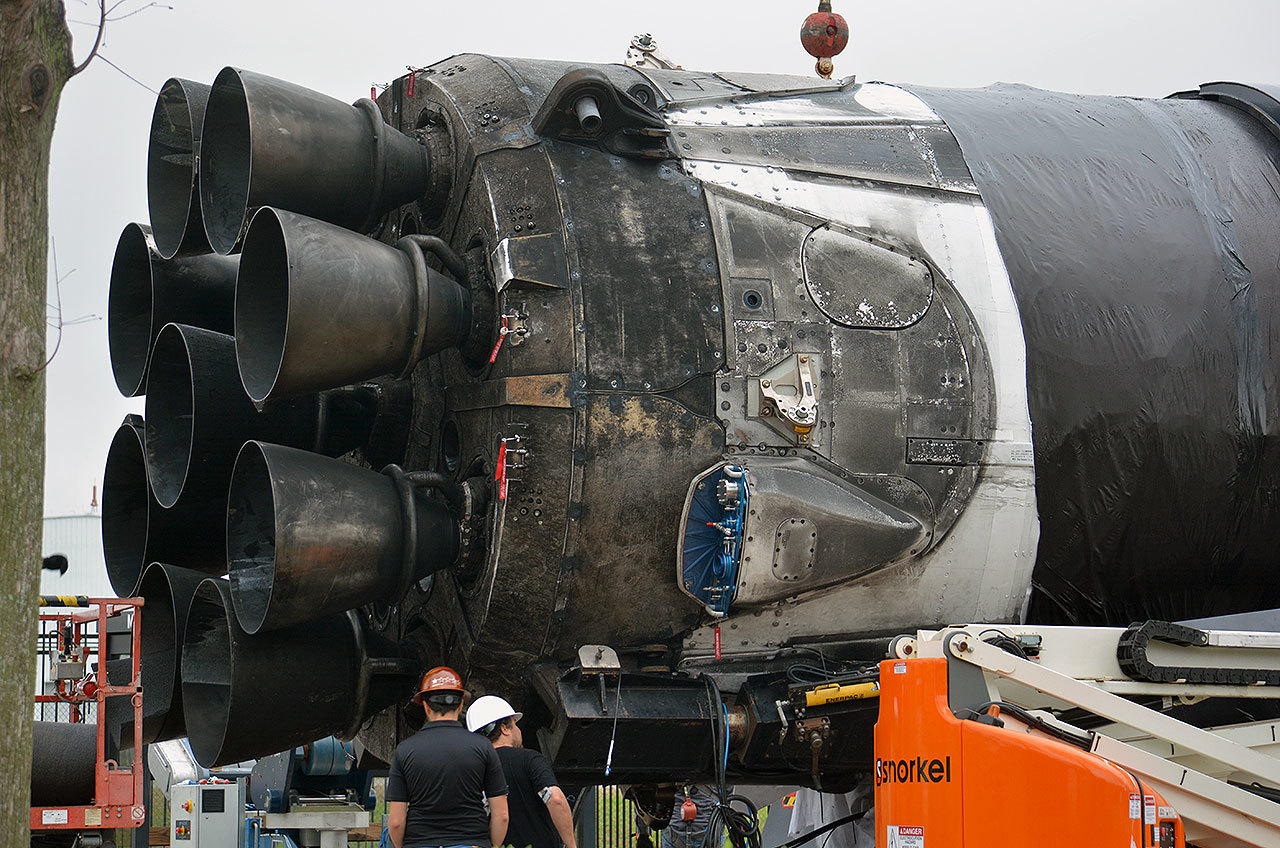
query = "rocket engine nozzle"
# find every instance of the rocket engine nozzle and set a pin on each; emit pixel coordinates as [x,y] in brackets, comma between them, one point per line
[168,590]
[126,500]
[267,142]
[148,291]
[136,530]
[246,696]
[173,168]
[318,306]
[309,536]
[198,416]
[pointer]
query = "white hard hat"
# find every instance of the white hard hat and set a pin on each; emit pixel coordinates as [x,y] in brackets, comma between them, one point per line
[486,710]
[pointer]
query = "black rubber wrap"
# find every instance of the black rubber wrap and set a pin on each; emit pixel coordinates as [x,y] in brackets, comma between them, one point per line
[62,763]
[1142,239]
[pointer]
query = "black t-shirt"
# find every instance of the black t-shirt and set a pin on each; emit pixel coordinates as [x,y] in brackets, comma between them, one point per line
[528,773]
[444,772]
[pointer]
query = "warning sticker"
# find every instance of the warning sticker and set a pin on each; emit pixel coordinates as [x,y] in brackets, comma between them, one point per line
[902,836]
[1135,806]
[53,817]
[1148,809]
[1021,455]
[900,668]
[1167,813]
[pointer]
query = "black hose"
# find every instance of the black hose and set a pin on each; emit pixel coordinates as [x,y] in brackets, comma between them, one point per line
[442,483]
[742,826]
[452,262]
[804,674]
[805,837]
[1080,740]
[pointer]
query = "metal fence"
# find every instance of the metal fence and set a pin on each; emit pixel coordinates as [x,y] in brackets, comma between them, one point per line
[605,819]
[46,654]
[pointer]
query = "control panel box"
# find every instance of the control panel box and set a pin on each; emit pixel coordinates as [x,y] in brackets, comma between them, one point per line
[207,814]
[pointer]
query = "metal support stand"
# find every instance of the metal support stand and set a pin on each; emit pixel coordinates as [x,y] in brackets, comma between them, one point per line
[317,828]
[142,836]
[587,816]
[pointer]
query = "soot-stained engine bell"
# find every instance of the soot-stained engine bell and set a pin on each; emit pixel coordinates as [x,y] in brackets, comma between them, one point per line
[719,371]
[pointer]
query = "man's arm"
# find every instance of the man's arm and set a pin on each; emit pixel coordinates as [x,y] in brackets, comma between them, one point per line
[397,812]
[498,819]
[561,815]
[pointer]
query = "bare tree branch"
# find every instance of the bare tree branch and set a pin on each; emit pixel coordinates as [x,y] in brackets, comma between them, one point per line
[103,17]
[129,75]
[57,288]
[97,41]
[137,10]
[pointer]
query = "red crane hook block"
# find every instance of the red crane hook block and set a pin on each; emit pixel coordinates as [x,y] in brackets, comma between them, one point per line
[824,33]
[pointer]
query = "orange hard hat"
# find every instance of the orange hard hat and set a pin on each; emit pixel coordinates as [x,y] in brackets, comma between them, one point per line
[439,679]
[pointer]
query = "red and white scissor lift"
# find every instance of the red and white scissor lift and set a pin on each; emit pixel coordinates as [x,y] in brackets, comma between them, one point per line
[117,795]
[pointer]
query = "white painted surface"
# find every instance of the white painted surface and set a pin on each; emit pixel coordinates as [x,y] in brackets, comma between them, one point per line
[79,539]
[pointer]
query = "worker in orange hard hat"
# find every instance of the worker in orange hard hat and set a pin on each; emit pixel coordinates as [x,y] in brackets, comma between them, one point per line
[441,776]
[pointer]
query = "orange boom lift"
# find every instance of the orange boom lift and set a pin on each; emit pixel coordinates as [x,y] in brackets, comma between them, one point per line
[979,740]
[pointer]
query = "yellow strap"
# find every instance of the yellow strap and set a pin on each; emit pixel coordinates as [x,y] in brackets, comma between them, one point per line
[64,600]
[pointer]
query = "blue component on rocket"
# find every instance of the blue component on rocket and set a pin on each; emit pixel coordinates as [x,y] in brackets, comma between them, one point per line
[713,535]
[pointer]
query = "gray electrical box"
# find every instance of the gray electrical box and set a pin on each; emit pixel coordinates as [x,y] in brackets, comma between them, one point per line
[206,815]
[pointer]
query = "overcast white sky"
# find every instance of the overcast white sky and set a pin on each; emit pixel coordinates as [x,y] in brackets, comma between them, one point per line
[98,180]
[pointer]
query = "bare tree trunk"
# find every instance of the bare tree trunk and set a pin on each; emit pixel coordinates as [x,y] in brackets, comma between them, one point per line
[35,62]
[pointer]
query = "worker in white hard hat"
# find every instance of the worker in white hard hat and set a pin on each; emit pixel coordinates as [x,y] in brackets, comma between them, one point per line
[540,814]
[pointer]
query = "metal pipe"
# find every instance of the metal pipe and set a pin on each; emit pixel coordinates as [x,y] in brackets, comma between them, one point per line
[290,338]
[443,483]
[198,416]
[737,724]
[268,142]
[309,536]
[173,157]
[588,112]
[453,263]
[148,292]
[136,530]
[247,696]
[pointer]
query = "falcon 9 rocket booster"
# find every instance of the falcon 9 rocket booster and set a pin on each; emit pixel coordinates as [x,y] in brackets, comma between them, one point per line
[652,390]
